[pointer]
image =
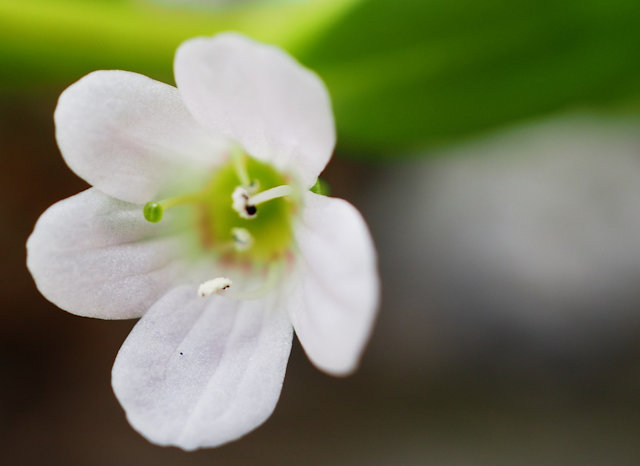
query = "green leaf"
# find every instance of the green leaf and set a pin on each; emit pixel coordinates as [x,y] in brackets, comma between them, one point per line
[404,75]
[46,43]
[414,74]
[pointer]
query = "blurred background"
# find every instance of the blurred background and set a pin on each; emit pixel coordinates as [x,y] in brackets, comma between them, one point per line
[494,148]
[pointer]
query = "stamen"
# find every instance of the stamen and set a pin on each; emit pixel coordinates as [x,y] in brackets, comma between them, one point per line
[241,204]
[214,286]
[242,239]
[153,211]
[273,193]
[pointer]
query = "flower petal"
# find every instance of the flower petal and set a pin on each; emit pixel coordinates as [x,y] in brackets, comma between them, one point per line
[127,134]
[95,256]
[260,97]
[333,297]
[200,372]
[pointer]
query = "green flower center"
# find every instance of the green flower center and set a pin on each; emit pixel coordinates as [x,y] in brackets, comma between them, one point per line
[269,227]
[238,213]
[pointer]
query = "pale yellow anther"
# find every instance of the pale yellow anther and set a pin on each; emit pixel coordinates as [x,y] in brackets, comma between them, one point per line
[214,286]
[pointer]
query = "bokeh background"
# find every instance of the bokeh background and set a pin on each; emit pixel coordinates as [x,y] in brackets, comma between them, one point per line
[494,148]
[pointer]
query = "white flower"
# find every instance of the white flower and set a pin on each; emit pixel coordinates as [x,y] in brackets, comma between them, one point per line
[201,371]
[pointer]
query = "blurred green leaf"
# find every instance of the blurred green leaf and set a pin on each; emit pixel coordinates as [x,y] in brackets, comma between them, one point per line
[404,75]
[52,42]
[412,74]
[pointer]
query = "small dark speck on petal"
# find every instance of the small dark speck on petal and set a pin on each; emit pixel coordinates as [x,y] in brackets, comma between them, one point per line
[180,353]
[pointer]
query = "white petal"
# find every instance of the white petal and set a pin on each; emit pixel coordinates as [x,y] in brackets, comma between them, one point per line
[333,297]
[200,372]
[95,256]
[129,135]
[260,97]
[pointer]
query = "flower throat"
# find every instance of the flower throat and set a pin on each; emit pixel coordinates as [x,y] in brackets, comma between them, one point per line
[243,213]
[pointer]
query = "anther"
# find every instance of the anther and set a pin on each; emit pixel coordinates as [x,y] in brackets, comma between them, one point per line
[245,203]
[242,239]
[214,286]
[153,212]
[242,204]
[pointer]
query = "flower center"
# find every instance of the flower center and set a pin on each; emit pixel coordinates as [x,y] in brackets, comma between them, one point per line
[256,216]
[244,212]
